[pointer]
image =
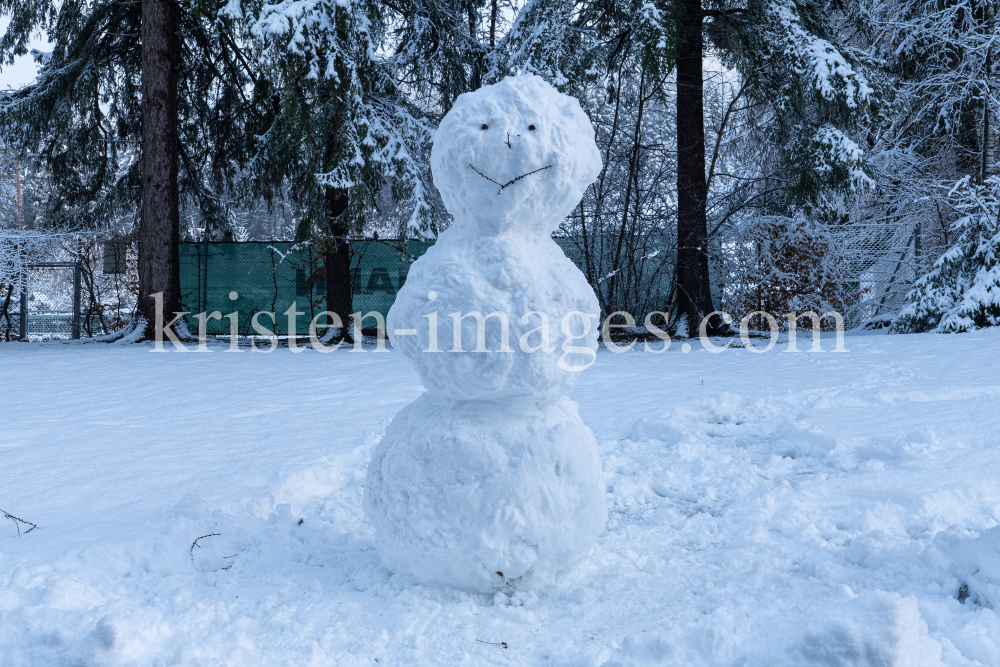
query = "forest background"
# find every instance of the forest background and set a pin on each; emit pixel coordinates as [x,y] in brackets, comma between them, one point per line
[759,155]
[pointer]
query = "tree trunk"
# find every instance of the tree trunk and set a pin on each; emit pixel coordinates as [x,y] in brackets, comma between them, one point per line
[5,312]
[337,261]
[478,66]
[983,173]
[694,293]
[493,23]
[160,218]
[587,259]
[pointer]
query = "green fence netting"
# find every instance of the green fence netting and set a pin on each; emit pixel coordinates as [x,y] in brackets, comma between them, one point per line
[267,277]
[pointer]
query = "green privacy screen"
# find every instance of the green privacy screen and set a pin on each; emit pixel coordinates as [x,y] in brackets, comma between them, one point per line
[269,277]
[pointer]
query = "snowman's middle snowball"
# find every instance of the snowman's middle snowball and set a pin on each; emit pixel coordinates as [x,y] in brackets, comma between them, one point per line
[473,274]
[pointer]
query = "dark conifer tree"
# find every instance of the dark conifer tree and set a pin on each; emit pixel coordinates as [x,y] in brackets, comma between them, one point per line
[338,131]
[137,105]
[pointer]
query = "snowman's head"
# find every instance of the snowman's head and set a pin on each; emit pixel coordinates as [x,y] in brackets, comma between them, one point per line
[514,156]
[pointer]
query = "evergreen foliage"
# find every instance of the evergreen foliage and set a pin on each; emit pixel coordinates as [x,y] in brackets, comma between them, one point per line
[809,90]
[81,118]
[938,59]
[962,291]
[338,119]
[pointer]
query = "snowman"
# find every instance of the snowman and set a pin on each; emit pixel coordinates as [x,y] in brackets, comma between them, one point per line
[490,481]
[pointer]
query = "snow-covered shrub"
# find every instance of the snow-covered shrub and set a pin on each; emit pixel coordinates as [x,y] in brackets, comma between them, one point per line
[962,291]
[780,264]
[12,250]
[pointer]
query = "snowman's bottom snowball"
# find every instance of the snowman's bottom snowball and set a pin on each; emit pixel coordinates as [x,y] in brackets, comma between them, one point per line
[485,496]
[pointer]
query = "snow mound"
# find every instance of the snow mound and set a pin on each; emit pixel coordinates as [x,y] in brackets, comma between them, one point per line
[464,495]
[650,652]
[872,629]
[974,562]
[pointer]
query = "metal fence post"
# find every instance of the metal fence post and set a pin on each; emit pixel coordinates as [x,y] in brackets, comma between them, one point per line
[203,292]
[77,272]
[24,309]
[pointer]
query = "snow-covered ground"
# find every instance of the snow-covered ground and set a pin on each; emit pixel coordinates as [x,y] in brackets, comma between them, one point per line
[772,509]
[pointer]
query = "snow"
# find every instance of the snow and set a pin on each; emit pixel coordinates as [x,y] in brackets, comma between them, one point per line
[514,157]
[764,509]
[525,280]
[485,496]
[962,291]
[16,246]
[508,186]
[491,481]
[828,71]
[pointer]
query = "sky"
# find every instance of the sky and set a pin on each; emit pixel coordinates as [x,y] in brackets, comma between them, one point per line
[23,71]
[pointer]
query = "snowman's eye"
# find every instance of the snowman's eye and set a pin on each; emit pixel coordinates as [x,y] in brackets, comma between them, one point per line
[531,127]
[484,127]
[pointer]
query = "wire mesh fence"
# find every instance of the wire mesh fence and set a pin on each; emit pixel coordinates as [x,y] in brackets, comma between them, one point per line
[884,262]
[260,281]
[55,286]
[50,301]
[101,274]
[39,287]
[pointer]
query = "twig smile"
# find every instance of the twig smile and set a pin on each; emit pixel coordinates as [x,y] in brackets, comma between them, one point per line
[510,182]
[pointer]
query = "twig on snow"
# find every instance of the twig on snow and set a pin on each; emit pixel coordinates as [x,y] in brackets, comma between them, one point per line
[18,522]
[512,181]
[195,544]
[503,644]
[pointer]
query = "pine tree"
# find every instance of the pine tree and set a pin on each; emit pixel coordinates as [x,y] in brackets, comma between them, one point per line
[159,220]
[944,55]
[339,130]
[786,54]
[441,48]
[100,88]
[962,291]
[937,62]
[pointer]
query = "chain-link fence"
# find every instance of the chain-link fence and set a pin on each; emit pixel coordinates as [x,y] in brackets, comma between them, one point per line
[39,286]
[83,285]
[268,277]
[49,304]
[65,285]
[884,261]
